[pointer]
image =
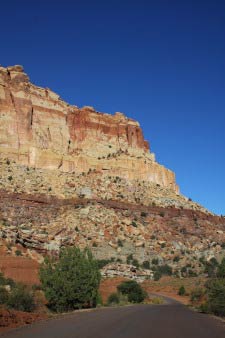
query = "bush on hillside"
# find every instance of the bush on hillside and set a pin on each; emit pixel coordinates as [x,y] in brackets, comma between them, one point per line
[157,275]
[221,269]
[113,299]
[181,291]
[21,299]
[103,262]
[72,281]
[197,295]
[133,291]
[146,265]
[17,297]
[165,269]
[215,290]
[6,281]
[3,295]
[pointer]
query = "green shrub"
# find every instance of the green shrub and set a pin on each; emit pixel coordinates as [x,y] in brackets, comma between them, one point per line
[215,290]
[21,299]
[6,281]
[135,263]
[210,270]
[18,253]
[165,270]
[129,259]
[197,295]
[3,295]
[144,214]
[99,300]
[113,299]
[155,261]
[36,287]
[176,259]
[157,275]
[181,291]
[183,269]
[103,262]
[146,265]
[133,291]
[72,281]
[214,261]
[221,269]
[2,279]
[204,307]
[192,273]
[120,243]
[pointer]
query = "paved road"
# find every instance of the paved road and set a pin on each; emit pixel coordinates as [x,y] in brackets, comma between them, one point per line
[172,320]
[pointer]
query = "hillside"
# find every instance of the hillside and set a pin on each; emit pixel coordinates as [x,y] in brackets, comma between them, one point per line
[74,176]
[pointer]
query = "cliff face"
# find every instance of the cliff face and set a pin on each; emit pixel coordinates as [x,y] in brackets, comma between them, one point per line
[71,176]
[40,130]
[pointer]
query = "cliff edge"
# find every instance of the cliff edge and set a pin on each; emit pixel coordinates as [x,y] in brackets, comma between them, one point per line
[40,130]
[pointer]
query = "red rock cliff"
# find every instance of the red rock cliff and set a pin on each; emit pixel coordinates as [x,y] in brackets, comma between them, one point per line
[39,129]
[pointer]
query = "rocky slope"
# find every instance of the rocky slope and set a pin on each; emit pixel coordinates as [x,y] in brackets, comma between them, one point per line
[58,188]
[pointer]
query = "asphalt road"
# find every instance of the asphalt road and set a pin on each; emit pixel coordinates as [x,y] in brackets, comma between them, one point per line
[172,320]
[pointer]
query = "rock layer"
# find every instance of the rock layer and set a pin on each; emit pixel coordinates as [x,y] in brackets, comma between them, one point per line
[40,130]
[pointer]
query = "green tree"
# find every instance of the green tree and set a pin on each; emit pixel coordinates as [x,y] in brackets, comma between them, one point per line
[216,296]
[133,290]
[72,281]
[221,269]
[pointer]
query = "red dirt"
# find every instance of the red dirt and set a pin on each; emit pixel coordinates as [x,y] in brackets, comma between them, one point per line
[11,318]
[20,269]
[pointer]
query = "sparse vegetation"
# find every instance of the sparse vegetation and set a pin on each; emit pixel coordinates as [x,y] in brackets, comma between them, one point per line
[181,291]
[15,295]
[113,299]
[133,291]
[103,262]
[21,299]
[155,261]
[134,224]
[215,291]
[120,243]
[146,265]
[18,253]
[144,214]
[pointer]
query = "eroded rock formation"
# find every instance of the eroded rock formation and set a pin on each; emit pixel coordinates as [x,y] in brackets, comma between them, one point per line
[40,130]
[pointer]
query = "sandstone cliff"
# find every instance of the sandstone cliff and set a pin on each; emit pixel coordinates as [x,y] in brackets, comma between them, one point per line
[58,188]
[40,130]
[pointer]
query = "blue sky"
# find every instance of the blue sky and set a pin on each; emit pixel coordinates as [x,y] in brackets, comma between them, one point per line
[160,62]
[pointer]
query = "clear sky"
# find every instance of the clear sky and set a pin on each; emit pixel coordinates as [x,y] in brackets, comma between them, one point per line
[160,62]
